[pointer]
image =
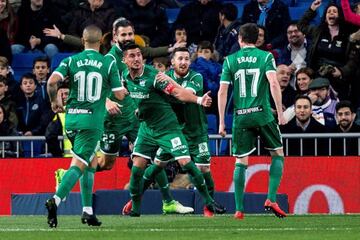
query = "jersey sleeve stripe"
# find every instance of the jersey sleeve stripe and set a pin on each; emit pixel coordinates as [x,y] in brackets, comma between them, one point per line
[59,73]
[267,57]
[227,62]
[224,82]
[110,55]
[198,74]
[110,66]
[117,89]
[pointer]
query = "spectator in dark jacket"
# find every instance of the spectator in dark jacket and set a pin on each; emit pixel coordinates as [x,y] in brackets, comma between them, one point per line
[33,18]
[273,15]
[227,35]
[150,20]
[8,20]
[200,18]
[32,112]
[304,123]
[7,102]
[7,148]
[328,54]
[5,49]
[92,12]
[345,117]
[13,85]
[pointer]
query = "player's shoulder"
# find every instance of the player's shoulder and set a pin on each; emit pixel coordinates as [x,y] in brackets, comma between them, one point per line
[150,71]
[193,75]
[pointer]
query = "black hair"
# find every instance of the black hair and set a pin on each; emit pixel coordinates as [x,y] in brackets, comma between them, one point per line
[128,46]
[27,76]
[205,45]
[299,96]
[230,11]
[180,49]
[344,104]
[3,79]
[41,59]
[249,33]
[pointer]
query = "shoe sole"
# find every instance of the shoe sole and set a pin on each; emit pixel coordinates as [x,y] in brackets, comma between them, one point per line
[271,209]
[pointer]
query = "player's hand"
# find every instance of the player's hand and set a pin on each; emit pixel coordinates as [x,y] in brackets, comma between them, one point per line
[162,77]
[206,99]
[55,32]
[112,107]
[222,130]
[281,119]
[313,97]
[34,41]
[315,5]
[57,107]
[176,45]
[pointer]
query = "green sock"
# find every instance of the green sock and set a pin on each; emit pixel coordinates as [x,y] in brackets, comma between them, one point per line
[136,186]
[239,183]
[276,170]
[162,181]
[86,186]
[198,181]
[68,181]
[209,183]
[150,174]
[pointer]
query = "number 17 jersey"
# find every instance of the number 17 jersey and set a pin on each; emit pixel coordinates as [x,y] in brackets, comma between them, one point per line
[91,78]
[246,69]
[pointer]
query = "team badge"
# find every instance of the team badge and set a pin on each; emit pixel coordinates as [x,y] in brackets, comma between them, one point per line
[175,142]
[203,147]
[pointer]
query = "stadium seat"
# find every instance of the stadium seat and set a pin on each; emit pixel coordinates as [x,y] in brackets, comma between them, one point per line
[57,59]
[240,7]
[224,147]
[37,147]
[172,14]
[212,129]
[23,63]
[296,12]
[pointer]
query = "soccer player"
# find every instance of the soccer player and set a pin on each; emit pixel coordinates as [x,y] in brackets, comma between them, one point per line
[252,73]
[91,78]
[192,117]
[159,127]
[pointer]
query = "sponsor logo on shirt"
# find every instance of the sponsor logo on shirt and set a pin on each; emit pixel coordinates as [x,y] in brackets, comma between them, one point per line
[79,111]
[249,110]
[177,144]
[139,95]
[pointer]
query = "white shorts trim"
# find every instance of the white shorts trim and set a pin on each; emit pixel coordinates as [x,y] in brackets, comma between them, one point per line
[79,158]
[106,153]
[181,157]
[140,155]
[245,154]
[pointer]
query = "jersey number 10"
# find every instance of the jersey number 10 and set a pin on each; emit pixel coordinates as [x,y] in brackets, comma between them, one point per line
[89,86]
[242,74]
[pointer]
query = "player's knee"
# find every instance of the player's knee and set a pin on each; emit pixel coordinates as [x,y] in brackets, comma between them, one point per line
[277,152]
[139,162]
[183,161]
[243,160]
[204,169]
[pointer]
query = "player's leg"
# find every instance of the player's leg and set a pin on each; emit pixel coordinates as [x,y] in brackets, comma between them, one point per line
[84,144]
[243,146]
[271,136]
[109,147]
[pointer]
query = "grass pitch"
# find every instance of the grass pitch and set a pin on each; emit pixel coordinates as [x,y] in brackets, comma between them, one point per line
[194,227]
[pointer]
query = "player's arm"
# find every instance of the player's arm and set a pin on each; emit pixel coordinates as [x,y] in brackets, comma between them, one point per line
[276,94]
[117,87]
[52,87]
[182,94]
[222,100]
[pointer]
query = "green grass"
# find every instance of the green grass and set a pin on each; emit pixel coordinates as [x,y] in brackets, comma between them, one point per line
[193,227]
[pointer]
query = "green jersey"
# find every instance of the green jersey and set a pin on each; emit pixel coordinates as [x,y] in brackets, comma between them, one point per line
[91,78]
[128,106]
[191,115]
[153,104]
[246,69]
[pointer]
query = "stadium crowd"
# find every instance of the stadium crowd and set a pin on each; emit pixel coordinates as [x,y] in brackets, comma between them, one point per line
[317,58]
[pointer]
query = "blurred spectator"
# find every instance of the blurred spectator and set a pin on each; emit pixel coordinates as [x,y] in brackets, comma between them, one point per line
[8,20]
[200,18]
[328,55]
[5,49]
[41,70]
[31,109]
[13,86]
[303,76]
[295,54]
[227,35]
[33,18]
[283,75]
[273,15]
[181,37]
[56,127]
[304,123]
[161,63]
[345,117]
[7,148]
[323,105]
[92,12]
[350,16]
[7,102]
[15,4]
[149,19]
[65,9]
[209,69]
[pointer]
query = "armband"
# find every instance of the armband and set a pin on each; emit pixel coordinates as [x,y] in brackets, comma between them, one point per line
[199,100]
[169,88]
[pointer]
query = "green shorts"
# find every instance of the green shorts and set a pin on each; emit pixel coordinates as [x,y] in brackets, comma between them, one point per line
[199,152]
[244,139]
[113,134]
[149,141]
[84,143]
